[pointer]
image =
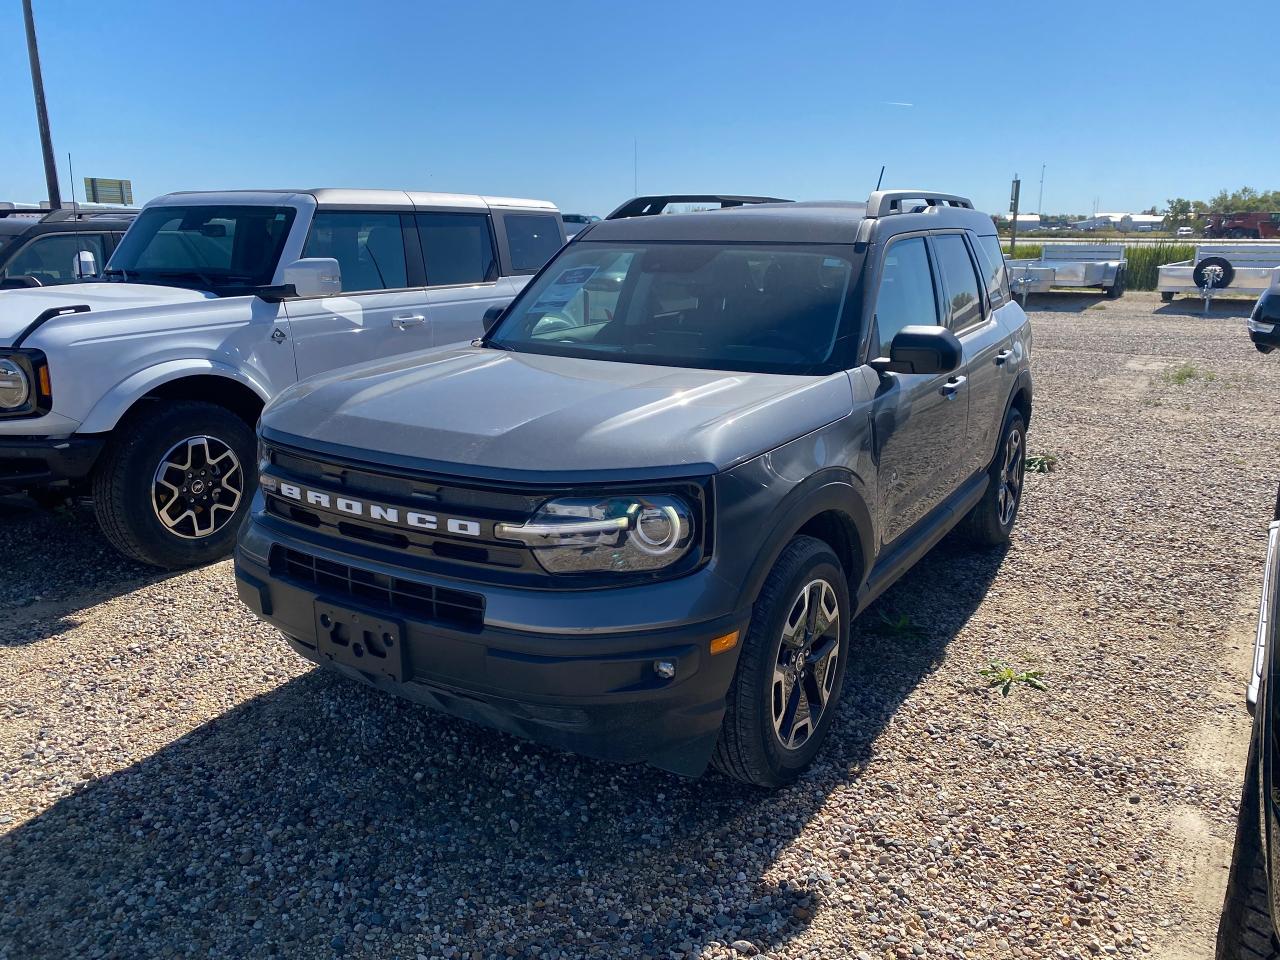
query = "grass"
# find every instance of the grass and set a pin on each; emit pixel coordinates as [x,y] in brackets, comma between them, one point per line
[897,625]
[1041,462]
[1187,372]
[1000,674]
[1144,259]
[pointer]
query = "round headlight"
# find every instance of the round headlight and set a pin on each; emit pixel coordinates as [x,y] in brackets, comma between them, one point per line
[15,388]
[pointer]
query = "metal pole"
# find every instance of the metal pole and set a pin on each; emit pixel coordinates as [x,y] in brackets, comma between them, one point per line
[42,113]
[1040,202]
[1013,229]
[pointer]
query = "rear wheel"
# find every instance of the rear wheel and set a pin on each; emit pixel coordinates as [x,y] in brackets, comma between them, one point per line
[1245,930]
[1117,287]
[174,484]
[783,697]
[1167,296]
[990,522]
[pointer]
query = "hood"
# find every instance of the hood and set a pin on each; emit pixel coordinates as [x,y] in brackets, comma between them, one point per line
[488,413]
[19,307]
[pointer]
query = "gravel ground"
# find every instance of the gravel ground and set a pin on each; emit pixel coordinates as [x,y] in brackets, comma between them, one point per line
[174,782]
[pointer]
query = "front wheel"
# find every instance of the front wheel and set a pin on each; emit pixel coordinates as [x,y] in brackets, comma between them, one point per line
[175,483]
[1244,930]
[990,522]
[783,697]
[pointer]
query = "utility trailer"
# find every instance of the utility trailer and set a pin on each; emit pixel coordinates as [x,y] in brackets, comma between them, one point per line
[1100,265]
[1251,268]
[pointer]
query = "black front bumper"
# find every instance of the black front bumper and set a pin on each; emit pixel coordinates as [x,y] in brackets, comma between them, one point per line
[38,461]
[595,694]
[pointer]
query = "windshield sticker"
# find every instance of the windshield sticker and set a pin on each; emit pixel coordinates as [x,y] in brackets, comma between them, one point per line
[564,288]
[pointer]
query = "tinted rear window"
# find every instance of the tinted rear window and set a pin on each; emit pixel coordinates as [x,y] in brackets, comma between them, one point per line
[533,238]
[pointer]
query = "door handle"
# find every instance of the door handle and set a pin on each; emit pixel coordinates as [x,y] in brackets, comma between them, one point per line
[405,321]
[952,387]
[1002,356]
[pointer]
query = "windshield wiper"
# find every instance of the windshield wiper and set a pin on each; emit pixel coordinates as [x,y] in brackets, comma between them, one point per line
[178,274]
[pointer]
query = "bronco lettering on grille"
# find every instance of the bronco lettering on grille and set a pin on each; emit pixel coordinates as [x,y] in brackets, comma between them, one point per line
[372,511]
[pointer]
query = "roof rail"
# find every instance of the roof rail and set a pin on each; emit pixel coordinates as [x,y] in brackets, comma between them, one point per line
[83,213]
[649,206]
[884,203]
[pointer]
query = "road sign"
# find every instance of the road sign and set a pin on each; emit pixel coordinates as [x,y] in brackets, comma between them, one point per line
[97,190]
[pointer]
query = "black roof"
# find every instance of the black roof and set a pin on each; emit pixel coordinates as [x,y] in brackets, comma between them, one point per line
[98,223]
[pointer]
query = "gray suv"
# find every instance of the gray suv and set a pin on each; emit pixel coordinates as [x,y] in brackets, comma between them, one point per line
[636,518]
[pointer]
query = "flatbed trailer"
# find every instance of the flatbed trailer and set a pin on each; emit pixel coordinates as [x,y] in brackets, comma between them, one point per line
[1100,265]
[1250,268]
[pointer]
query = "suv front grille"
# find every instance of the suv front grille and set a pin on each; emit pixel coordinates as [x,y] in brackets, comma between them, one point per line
[455,608]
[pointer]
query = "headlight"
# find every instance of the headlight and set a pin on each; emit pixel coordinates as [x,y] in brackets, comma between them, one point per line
[606,534]
[15,385]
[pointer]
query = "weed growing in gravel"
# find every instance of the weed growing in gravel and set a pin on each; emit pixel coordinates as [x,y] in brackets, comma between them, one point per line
[1188,372]
[1041,462]
[898,625]
[1000,674]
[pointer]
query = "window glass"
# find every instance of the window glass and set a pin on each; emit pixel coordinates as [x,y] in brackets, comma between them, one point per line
[992,258]
[965,301]
[369,248]
[533,238]
[224,249]
[714,306]
[52,259]
[906,296]
[457,247]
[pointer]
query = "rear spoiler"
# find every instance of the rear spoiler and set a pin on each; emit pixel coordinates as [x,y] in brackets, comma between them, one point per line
[650,206]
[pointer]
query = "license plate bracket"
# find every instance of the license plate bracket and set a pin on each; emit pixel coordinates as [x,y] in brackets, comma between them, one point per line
[354,638]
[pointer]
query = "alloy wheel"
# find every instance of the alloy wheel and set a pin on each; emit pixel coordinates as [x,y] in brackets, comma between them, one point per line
[197,487]
[1012,465]
[805,670]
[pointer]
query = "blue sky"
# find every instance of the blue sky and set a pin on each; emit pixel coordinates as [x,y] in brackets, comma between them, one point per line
[1129,102]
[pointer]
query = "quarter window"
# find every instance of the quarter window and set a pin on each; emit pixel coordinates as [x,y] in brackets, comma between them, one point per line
[964,303]
[52,260]
[458,248]
[369,248]
[906,295]
[992,258]
[533,239]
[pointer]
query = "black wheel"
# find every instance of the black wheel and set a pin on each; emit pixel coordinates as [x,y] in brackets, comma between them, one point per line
[1245,930]
[784,695]
[990,522]
[1264,347]
[1117,288]
[1213,272]
[1167,296]
[174,484]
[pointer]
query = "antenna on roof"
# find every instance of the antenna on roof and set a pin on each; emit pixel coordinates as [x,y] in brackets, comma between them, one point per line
[880,179]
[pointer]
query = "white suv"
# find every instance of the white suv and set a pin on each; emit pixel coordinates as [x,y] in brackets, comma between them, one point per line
[144,389]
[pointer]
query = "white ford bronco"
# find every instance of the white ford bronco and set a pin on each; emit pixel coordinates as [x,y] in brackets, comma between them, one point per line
[142,391]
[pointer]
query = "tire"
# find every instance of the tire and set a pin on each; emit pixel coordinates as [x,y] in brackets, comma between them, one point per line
[129,494]
[990,522]
[751,747]
[1228,273]
[1167,296]
[1245,930]
[1116,290]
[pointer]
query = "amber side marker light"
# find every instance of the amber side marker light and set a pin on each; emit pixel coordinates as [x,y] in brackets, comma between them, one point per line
[724,643]
[46,390]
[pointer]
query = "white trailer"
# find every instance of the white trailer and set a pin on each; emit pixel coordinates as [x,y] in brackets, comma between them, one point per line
[1222,268]
[1100,265]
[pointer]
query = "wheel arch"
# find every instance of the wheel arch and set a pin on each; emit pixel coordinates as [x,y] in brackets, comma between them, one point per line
[829,508]
[206,380]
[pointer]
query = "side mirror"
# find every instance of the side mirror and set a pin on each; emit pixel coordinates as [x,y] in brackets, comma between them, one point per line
[311,277]
[491,316]
[931,350]
[85,265]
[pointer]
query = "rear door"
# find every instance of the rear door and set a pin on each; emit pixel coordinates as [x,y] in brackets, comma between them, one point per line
[463,276]
[920,419]
[382,309]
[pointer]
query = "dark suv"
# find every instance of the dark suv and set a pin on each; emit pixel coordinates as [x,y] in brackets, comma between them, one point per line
[43,250]
[636,518]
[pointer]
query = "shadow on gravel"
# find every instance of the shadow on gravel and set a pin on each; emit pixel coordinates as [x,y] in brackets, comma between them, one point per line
[326,819]
[1194,307]
[1058,302]
[57,563]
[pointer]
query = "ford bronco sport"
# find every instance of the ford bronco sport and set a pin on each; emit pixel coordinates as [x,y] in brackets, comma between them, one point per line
[144,390]
[636,518]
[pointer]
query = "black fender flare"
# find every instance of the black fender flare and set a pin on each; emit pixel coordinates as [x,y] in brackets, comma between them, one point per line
[1021,384]
[830,489]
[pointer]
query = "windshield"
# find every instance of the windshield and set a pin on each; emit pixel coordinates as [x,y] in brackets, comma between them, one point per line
[223,249]
[772,309]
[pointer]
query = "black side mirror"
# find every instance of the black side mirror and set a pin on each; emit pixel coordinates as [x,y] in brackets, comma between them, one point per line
[921,349]
[491,316]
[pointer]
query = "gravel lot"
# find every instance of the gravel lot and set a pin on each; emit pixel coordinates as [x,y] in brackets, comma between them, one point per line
[174,782]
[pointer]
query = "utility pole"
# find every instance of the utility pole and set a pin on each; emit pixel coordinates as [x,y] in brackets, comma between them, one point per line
[42,113]
[1014,191]
[1040,202]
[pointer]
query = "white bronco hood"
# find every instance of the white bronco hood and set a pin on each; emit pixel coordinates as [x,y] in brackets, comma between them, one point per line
[18,308]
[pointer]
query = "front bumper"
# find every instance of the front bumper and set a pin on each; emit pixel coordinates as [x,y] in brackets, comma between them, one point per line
[593,693]
[37,461]
[1264,333]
